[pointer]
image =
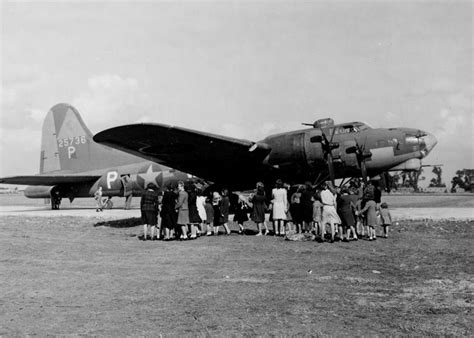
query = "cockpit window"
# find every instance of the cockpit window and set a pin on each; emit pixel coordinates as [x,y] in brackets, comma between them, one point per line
[361,126]
[350,128]
[345,129]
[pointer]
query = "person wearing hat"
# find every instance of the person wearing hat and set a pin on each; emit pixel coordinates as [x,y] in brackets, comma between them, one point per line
[149,210]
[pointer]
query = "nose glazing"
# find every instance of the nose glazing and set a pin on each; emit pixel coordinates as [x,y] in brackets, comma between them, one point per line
[430,141]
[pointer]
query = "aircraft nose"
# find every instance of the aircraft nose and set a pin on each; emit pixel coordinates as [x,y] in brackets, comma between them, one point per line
[430,142]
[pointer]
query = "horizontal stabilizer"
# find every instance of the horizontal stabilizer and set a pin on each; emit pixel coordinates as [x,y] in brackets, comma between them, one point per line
[48,180]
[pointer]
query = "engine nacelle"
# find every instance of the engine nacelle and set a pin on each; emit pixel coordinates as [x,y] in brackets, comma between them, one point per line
[301,147]
[39,191]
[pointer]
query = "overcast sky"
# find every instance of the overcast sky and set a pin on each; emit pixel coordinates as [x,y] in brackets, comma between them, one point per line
[243,69]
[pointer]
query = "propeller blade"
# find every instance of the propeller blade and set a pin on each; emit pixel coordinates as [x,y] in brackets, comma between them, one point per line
[332,176]
[363,170]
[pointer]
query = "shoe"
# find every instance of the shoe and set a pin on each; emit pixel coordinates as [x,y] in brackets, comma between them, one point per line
[259,234]
[345,240]
[208,234]
[193,237]
[331,241]
[266,232]
[375,238]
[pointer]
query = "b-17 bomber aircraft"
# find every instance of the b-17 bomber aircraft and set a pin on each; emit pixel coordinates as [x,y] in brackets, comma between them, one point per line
[72,165]
[324,151]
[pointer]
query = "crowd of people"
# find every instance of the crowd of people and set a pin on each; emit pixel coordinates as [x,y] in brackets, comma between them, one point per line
[330,214]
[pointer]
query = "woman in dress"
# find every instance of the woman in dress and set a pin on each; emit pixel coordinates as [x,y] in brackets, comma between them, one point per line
[168,213]
[370,211]
[194,218]
[346,209]
[183,211]
[280,207]
[224,207]
[258,208]
[218,217]
[200,203]
[295,209]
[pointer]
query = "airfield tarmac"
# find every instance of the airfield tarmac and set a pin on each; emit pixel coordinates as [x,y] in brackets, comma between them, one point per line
[80,272]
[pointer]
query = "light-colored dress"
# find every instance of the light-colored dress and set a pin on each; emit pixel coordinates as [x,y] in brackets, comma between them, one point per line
[317,205]
[280,203]
[200,202]
[329,208]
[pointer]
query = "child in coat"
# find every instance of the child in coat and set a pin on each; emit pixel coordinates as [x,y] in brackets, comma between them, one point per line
[386,219]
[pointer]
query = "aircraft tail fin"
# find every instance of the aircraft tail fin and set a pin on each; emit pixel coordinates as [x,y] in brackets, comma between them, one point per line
[67,144]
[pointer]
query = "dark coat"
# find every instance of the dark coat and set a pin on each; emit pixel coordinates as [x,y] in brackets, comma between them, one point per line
[258,209]
[168,212]
[149,201]
[225,205]
[193,211]
[241,212]
[307,206]
[346,204]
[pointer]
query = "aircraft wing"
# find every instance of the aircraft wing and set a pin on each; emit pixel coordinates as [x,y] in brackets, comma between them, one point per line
[48,179]
[213,157]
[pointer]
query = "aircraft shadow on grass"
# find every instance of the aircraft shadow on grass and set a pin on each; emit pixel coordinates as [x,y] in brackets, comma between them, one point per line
[120,223]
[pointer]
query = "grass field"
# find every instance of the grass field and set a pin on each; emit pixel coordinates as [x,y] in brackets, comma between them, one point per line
[62,276]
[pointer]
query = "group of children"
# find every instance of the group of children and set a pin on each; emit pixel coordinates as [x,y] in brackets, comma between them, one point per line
[349,213]
[357,216]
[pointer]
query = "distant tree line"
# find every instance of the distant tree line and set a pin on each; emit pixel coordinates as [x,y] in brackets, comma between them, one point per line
[464,179]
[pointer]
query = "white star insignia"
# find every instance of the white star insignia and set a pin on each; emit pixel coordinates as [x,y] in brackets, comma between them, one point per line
[149,176]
